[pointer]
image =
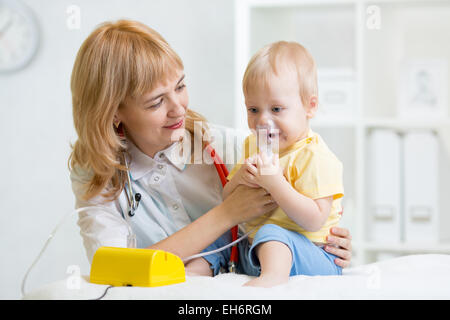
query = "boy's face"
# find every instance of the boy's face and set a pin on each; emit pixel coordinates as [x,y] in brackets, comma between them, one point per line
[280,101]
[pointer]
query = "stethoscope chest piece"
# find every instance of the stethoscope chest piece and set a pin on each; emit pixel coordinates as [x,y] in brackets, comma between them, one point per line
[133,201]
[135,204]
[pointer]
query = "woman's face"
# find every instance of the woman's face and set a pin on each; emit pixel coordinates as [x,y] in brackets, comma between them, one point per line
[157,119]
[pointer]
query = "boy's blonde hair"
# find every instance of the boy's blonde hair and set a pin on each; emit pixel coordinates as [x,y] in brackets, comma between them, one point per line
[118,60]
[277,56]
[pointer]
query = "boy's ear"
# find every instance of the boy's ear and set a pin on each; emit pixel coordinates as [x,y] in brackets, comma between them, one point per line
[311,108]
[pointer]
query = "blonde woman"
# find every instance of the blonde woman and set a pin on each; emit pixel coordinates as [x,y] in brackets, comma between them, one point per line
[130,103]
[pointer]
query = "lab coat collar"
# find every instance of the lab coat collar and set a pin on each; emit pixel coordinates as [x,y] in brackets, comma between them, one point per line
[141,164]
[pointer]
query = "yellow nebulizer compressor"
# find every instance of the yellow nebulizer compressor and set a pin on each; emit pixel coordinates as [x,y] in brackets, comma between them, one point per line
[136,267]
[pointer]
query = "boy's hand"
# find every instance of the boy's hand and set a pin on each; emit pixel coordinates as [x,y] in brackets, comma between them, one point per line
[244,175]
[267,173]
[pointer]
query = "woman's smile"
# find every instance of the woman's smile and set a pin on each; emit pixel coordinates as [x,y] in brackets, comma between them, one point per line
[175,125]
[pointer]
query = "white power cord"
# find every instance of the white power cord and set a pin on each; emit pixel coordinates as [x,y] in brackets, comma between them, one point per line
[131,241]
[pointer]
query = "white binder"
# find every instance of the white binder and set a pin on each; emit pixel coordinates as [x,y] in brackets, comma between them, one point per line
[421,185]
[384,186]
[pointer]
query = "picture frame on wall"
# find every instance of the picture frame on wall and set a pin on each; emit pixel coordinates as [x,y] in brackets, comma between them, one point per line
[423,89]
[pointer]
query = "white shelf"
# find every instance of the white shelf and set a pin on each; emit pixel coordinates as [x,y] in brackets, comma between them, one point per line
[295,3]
[365,52]
[334,123]
[406,124]
[389,123]
[404,247]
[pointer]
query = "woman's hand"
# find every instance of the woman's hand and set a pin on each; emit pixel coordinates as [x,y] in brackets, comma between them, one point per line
[340,241]
[246,203]
[242,204]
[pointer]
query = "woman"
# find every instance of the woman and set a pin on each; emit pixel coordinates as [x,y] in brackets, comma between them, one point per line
[130,106]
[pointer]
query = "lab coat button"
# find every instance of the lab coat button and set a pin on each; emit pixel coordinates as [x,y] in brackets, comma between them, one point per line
[160,166]
[175,207]
[156,178]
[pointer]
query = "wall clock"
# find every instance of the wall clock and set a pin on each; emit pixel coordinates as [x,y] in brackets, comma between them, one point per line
[19,35]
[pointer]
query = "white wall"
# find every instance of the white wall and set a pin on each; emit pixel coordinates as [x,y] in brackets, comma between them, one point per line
[36,120]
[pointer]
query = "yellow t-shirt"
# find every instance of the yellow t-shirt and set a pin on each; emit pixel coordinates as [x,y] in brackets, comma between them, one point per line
[314,171]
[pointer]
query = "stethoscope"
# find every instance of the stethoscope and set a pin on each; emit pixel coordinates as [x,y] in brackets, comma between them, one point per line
[134,199]
[133,204]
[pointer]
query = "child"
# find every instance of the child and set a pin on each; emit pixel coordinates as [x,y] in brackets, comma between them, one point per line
[280,86]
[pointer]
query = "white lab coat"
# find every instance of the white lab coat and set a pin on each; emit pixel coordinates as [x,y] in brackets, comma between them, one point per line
[173,194]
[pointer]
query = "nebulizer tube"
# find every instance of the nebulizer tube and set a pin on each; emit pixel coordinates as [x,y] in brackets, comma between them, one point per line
[202,254]
[267,142]
[131,238]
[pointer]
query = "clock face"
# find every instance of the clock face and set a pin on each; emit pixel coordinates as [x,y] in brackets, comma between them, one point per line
[18,35]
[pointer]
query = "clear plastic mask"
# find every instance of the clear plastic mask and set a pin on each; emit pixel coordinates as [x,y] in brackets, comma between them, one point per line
[267,138]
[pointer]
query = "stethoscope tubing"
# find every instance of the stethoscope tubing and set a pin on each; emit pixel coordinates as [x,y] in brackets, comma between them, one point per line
[222,171]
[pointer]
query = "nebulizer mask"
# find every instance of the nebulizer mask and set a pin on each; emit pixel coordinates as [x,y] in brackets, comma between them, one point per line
[267,136]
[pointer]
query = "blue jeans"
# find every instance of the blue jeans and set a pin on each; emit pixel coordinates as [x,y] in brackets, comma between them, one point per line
[307,258]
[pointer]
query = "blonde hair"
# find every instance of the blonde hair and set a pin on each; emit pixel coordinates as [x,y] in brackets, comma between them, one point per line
[118,60]
[275,56]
